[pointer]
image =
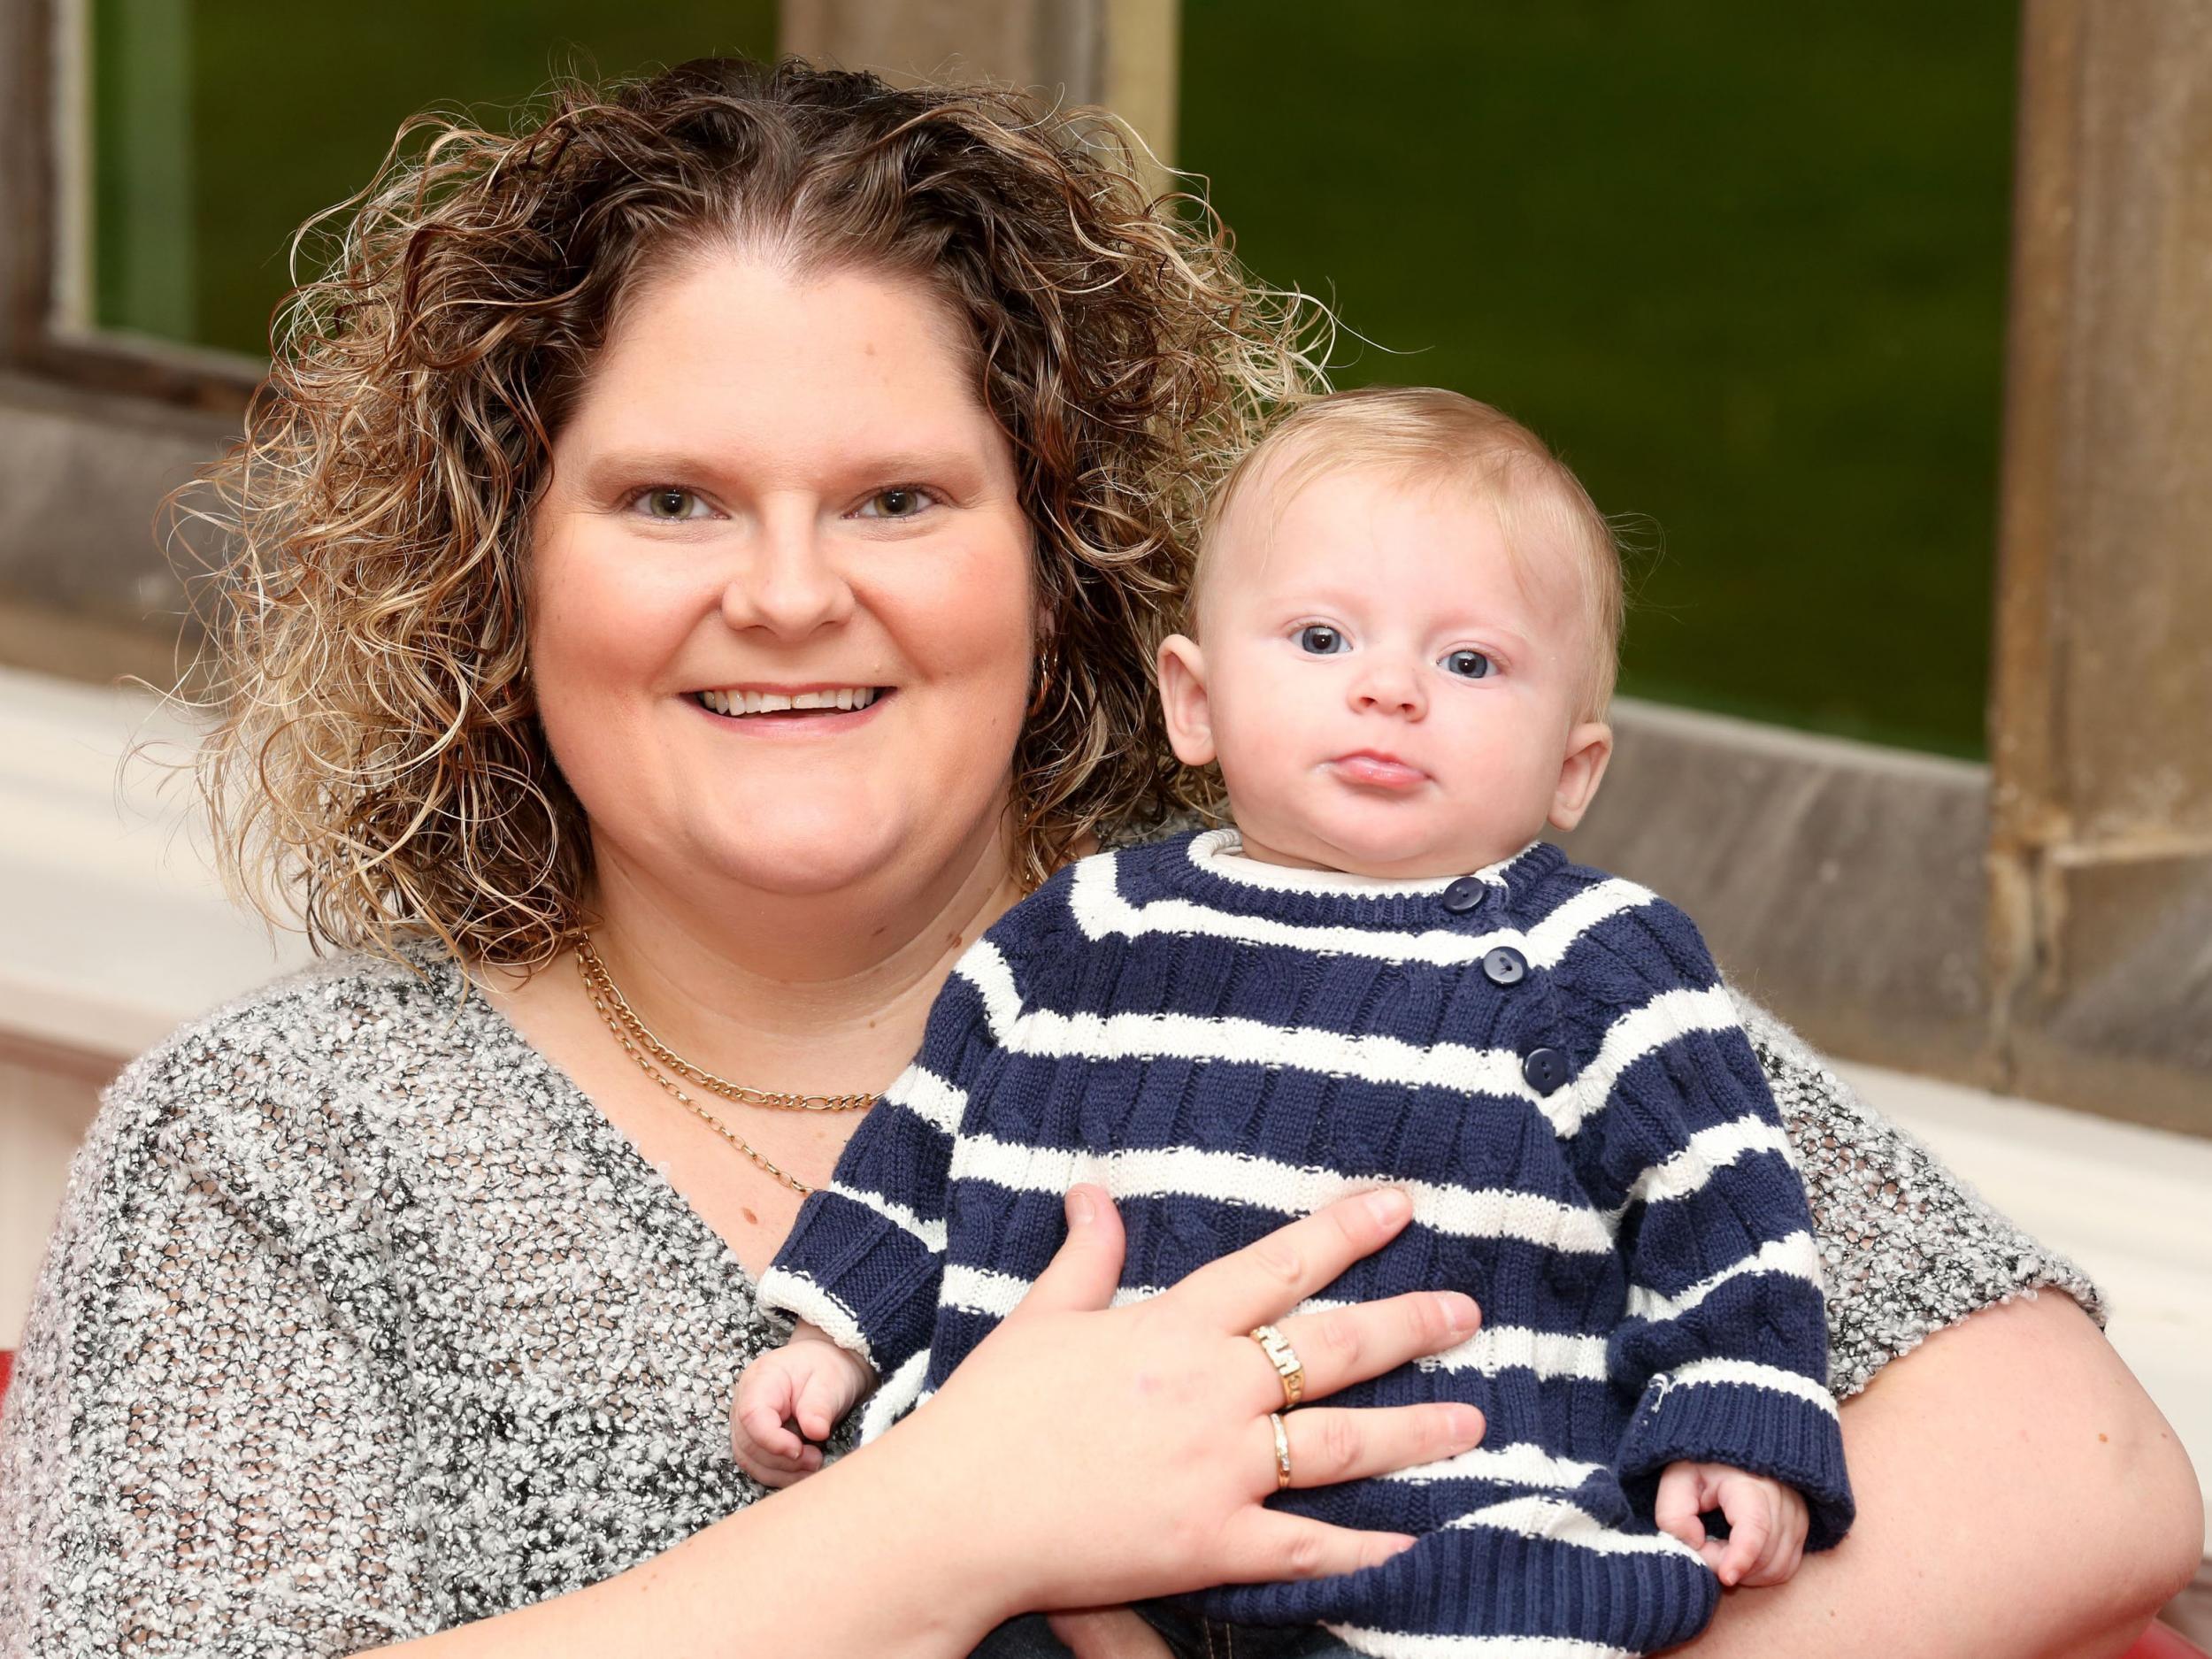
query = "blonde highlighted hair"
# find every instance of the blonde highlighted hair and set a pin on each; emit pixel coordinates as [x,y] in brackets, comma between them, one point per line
[1426,434]
[376,768]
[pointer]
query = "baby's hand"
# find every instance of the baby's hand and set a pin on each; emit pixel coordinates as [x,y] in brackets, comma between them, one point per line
[809,1383]
[1766,1521]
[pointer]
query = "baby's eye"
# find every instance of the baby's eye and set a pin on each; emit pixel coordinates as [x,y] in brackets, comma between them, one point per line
[1467,664]
[901,501]
[1321,639]
[672,504]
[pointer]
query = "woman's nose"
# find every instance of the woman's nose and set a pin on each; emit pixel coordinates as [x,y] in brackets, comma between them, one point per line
[788,583]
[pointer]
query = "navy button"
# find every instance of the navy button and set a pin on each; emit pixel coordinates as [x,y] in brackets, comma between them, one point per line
[1546,1069]
[1505,965]
[1464,894]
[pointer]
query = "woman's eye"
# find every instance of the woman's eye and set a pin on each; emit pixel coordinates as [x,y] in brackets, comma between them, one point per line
[1321,639]
[903,501]
[1467,664]
[670,504]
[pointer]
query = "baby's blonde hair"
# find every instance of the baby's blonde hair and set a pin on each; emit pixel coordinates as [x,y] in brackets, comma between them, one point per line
[1424,434]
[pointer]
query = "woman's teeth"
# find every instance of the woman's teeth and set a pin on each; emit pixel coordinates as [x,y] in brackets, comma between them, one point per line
[744,702]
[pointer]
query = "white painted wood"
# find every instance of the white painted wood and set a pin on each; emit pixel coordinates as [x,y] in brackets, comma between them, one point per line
[114,930]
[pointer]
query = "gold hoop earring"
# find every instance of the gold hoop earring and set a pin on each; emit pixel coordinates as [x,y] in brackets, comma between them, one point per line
[1044,688]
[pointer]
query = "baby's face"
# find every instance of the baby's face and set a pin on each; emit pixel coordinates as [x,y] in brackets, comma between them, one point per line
[1388,690]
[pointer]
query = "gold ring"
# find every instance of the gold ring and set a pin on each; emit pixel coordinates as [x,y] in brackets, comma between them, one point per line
[1282,1450]
[1284,1357]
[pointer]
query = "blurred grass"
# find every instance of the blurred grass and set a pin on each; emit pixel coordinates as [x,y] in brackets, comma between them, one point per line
[1743,264]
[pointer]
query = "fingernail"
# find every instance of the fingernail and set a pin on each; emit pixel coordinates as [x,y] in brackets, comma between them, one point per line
[1081,1211]
[1460,1312]
[1387,1204]
[1469,1425]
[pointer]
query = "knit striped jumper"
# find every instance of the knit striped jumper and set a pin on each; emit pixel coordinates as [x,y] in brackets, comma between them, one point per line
[1541,1054]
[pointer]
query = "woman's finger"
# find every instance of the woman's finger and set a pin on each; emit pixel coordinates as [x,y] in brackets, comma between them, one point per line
[1269,1544]
[1268,1278]
[1333,1443]
[1362,1339]
[1083,1270]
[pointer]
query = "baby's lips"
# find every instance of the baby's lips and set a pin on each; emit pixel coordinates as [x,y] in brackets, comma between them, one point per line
[1382,772]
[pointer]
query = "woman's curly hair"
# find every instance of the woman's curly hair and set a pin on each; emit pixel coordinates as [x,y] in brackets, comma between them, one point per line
[376,768]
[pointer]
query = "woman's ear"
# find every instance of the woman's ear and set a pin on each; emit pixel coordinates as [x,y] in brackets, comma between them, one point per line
[1190,731]
[1589,746]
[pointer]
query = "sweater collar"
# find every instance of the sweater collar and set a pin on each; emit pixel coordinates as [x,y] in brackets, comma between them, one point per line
[1212,868]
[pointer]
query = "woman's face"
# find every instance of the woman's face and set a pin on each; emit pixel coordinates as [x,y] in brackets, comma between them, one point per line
[782,598]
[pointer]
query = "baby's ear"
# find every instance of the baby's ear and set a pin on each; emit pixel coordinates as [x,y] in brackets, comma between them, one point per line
[1589,747]
[1190,728]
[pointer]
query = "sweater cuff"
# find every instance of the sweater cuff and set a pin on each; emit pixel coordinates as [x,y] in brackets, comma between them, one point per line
[1755,1418]
[869,1284]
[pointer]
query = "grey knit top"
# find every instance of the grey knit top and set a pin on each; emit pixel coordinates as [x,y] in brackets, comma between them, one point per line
[361,1321]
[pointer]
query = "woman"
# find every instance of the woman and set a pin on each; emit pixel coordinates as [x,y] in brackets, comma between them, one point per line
[697,563]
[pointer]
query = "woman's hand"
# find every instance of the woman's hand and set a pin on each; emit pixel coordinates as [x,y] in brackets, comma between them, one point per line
[1112,1455]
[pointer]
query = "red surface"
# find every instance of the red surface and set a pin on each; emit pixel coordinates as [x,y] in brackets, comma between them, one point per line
[7,1370]
[2158,1642]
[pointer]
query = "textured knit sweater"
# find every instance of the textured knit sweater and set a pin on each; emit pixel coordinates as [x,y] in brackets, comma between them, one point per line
[360,1322]
[1542,1055]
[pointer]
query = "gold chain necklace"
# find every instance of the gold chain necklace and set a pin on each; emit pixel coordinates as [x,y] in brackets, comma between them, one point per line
[639,1043]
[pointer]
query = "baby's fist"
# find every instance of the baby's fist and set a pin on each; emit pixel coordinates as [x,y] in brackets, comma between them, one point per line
[1766,1521]
[787,1402]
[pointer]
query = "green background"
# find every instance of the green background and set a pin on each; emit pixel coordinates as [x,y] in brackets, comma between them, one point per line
[1742,263]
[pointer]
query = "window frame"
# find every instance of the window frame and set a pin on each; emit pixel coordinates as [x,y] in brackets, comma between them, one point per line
[44,162]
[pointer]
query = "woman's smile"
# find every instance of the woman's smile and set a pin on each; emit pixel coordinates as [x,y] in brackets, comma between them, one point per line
[793,711]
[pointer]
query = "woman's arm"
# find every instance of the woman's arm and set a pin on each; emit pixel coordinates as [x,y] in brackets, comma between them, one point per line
[1077,1457]
[2018,1494]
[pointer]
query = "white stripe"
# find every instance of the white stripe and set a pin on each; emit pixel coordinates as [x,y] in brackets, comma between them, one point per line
[1373,1059]
[1395,1644]
[980,1290]
[903,1388]
[1522,1465]
[929,1097]
[1286,1189]
[1797,1257]
[1228,1039]
[1711,1148]
[796,1294]
[982,966]
[1638,1032]
[1743,1373]
[1555,1519]
[1549,1354]
[1100,910]
[931,1232]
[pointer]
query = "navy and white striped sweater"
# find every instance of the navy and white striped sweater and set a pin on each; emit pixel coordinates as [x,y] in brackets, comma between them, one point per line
[1541,1054]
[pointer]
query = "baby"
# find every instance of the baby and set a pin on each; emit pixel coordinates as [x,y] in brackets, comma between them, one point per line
[1402,642]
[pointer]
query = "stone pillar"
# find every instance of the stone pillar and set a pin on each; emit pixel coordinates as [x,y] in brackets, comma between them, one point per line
[2101,722]
[1119,53]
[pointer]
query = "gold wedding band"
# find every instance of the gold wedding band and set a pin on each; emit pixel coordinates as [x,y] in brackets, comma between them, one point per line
[1280,1354]
[1282,1449]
